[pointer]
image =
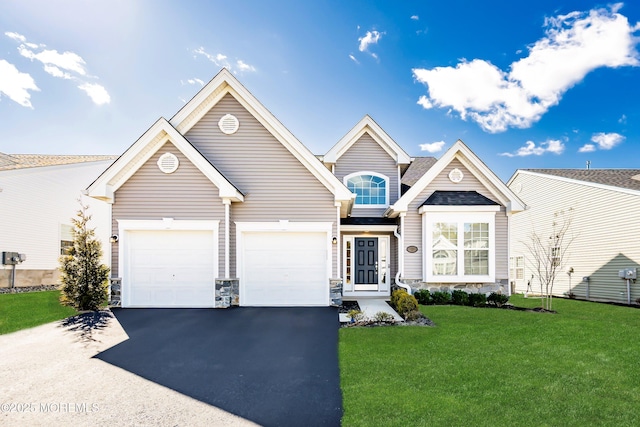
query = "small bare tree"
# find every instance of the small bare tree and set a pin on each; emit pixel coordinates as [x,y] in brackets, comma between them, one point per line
[548,252]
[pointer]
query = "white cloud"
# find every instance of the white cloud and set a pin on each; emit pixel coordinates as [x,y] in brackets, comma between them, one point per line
[574,45]
[15,84]
[554,146]
[15,36]
[96,92]
[67,60]
[372,37]
[66,65]
[57,72]
[606,141]
[194,81]
[623,119]
[353,58]
[587,148]
[244,66]
[433,147]
[222,60]
[415,17]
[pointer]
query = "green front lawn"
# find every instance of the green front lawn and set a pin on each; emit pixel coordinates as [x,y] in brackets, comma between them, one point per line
[29,309]
[492,367]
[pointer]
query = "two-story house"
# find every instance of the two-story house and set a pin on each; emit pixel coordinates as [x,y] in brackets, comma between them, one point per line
[221,205]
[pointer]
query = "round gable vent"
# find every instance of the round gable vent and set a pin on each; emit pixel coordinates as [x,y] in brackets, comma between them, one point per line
[168,163]
[229,124]
[456,175]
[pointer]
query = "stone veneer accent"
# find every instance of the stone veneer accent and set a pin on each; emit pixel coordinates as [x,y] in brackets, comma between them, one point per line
[335,292]
[115,294]
[227,293]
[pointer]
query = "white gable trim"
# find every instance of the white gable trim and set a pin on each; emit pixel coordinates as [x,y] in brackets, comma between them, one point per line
[367,125]
[226,83]
[576,181]
[461,152]
[143,149]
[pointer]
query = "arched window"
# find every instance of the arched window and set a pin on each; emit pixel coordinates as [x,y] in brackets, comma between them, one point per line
[370,188]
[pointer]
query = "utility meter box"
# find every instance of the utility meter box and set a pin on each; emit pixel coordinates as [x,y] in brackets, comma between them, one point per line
[628,273]
[10,258]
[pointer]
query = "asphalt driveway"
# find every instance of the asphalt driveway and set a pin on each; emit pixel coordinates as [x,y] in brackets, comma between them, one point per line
[272,366]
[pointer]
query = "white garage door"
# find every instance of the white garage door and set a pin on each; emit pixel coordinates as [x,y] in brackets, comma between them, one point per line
[169,268]
[284,269]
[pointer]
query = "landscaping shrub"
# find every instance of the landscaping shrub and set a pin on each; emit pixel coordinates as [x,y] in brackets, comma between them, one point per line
[403,303]
[384,317]
[459,297]
[477,300]
[413,315]
[440,297]
[423,296]
[355,316]
[497,299]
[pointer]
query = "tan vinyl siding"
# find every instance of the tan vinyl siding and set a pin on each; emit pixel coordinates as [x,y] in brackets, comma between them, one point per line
[604,227]
[276,185]
[152,194]
[413,222]
[367,155]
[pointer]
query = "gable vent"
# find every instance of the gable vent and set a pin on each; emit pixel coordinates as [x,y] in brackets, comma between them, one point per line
[168,163]
[229,124]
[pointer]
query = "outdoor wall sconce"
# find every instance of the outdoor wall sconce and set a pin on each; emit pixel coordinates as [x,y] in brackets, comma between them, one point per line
[114,238]
[334,240]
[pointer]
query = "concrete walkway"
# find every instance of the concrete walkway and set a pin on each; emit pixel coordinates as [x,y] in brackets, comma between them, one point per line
[371,306]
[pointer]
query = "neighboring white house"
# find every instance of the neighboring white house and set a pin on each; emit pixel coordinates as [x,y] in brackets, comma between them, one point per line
[603,205]
[38,197]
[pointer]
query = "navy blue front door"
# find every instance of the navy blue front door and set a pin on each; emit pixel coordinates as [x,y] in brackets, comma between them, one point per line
[366,261]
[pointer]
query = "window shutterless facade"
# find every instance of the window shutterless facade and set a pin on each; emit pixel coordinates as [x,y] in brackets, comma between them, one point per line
[459,247]
[371,188]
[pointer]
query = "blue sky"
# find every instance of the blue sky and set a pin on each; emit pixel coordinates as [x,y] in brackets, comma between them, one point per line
[544,84]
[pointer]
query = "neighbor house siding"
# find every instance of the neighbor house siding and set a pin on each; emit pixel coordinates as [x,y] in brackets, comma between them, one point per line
[367,155]
[276,185]
[413,222]
[604,230]
[153,195]
[34,203]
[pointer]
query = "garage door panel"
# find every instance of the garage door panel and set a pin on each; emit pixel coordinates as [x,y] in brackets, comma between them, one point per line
[285,268]
[171,268]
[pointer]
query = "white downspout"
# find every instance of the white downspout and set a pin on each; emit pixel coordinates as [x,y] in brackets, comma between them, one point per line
[227,204]
[400,240]
[338,248]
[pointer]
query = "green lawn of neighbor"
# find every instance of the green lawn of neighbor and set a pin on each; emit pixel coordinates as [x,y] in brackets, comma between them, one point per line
[494,367]
[29,309]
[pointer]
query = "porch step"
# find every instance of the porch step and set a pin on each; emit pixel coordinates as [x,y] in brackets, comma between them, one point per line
[371,306]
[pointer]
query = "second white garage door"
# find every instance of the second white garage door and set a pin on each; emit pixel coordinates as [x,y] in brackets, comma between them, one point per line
[169,268]
[283,268]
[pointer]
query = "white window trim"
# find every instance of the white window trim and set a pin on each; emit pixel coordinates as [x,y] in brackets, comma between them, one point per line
[460,218]
[376,174]
[127,225]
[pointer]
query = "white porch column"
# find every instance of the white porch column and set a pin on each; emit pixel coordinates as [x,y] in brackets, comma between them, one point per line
[401,246]
[227,204]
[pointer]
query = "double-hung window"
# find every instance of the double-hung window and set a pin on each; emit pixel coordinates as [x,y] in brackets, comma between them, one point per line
[459,247]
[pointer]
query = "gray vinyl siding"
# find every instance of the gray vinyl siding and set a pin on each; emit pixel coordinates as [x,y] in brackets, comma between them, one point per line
[413,222]
[605,229]
[152,195]
[367,155]
[276,185]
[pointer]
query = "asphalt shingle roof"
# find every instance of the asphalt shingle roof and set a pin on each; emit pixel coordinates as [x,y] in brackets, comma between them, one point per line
[623,178]
[458,198]
[21,161]
[418,167]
